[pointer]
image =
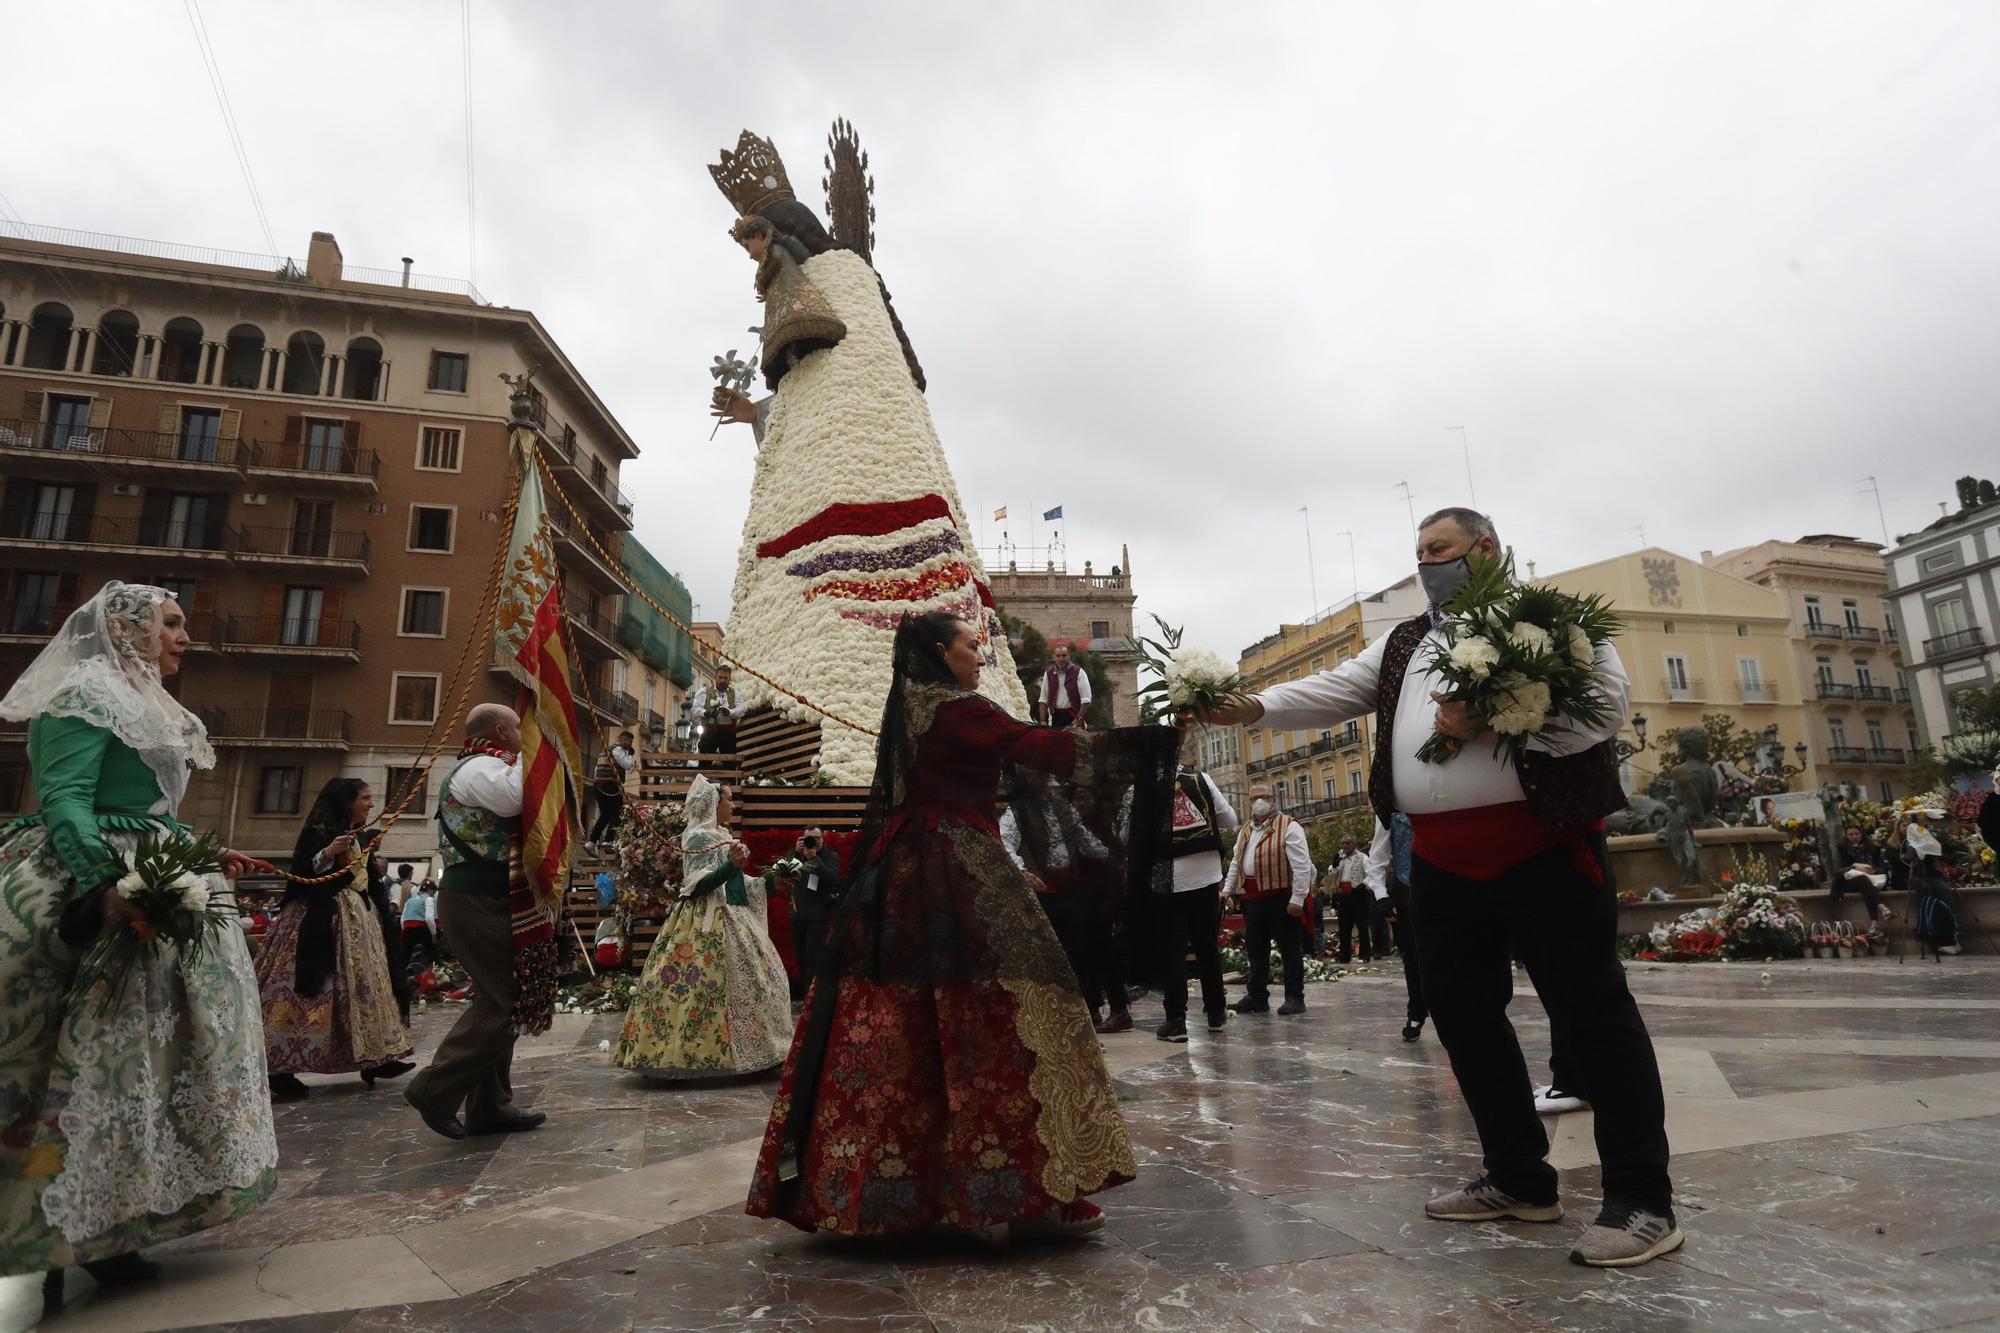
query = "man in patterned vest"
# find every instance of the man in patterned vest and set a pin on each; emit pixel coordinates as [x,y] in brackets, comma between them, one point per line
[1508,856]
[479,835]
[1272,871]
[1065,692]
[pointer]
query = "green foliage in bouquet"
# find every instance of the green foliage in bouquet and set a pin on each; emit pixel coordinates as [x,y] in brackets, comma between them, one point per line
[1184,678]
[168,905]
[1522,657]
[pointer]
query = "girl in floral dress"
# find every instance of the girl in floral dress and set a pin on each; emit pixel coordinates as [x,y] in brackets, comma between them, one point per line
[714,999]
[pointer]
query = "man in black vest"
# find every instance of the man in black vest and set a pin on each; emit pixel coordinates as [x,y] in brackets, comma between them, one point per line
[1506,855]
[1189,918]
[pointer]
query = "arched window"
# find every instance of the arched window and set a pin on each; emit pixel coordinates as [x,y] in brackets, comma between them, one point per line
[305,364]
[361,370]
[243,358]
[49,332]
[117,343]
[181,349]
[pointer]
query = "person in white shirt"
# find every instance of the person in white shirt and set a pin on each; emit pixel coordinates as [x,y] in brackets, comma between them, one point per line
[1508,855]
[608,786]
[1065,691]
[1191,916]
[1353,904]
[1272,871]
[718,710]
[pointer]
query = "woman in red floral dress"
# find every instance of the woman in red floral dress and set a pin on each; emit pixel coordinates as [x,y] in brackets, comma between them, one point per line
[946,1073]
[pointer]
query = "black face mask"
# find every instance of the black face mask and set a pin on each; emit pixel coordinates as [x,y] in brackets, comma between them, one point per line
[1443,580]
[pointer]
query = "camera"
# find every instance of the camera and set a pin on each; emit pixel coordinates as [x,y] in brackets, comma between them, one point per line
[810,843]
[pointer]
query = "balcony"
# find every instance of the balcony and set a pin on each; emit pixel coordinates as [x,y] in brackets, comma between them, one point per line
[338,467]
[1902,696]
[1862,634]
[656,722]
[173,539]
[109,447]
[293,548]
[277,728]
[1951,645]
[1308,811]
[1820,629]
[1846,754]
[579,549]
[618,704]
[1684,689]
[1260,765]
[1321,745]
[1885,754]
[288,636]
[1349,737]
[1757,691]
[1872,694]
[583,479]
[593,634]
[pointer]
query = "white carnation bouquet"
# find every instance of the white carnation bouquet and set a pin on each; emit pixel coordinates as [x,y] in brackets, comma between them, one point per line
[167,905]
[1184,678]
[1522,658]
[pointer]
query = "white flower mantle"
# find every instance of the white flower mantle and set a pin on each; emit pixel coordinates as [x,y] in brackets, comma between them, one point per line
[848,427]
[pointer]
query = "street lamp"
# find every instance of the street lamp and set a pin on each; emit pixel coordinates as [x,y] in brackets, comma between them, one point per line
[683,728]
[1624,747]
[1777,751]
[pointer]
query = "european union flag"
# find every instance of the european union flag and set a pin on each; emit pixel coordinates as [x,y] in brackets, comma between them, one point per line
[1052,514]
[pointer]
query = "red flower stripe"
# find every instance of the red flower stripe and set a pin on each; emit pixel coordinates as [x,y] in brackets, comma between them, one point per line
[953,575]
[857,520]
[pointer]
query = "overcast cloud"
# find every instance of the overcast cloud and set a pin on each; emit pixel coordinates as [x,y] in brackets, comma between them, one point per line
[1179,268]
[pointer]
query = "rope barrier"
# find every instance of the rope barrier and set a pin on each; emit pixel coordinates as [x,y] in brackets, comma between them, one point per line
[548,476]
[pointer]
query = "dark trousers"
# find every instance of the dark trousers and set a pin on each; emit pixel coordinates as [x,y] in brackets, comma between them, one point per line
[1564,929]
[1869,893]
[610,809]
[473,1066]
[1188,924]
[1265,921]
[1378,924]
[1405,931]
[810,915]
[717,740]
[1354,909]
[1062,719]
[1068,915]
[1102,978]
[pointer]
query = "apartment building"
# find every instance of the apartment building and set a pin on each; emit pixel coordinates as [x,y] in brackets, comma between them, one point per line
[1944,589]
[1699,641]
[1847,654]
[316,461]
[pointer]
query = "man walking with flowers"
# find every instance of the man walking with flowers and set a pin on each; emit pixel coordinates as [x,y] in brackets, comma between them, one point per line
[1497,708]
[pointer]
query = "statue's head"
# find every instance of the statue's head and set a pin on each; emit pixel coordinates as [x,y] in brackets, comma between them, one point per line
[1694,743]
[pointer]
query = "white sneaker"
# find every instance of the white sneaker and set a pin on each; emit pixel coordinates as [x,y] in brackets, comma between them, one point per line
[1947,948]
[1553,1101]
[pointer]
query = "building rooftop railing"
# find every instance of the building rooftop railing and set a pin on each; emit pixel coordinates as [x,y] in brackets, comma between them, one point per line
[1958,642]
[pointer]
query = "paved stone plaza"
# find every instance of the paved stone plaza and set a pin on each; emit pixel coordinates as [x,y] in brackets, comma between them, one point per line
[1837,1155]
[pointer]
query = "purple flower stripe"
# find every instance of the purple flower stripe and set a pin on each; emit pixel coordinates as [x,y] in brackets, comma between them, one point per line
[899,557]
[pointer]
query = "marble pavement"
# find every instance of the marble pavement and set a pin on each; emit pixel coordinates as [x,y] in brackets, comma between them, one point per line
[1836,1129]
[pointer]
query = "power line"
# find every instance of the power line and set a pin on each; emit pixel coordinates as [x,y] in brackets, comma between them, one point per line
[214,67]
[471,217]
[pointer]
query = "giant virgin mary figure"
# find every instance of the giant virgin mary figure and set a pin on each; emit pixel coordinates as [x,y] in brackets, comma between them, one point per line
[854,517]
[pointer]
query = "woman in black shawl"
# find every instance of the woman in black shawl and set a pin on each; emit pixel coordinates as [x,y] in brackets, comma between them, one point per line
[335,1001]
[946,1073]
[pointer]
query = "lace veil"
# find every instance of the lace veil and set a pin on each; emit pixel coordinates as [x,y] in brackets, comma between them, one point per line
[704,843]
[103,666]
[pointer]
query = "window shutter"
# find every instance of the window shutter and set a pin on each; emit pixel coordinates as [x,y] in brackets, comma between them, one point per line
[170,419]
[273,607]
[154,511]
[100,413]
[295,430]
[232,423]
[66,594]
[33,405]
[350,431]
[83,507]
[329,618]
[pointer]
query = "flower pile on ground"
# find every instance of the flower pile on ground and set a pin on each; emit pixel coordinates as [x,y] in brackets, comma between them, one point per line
[1236,959]
[1753,920]
[605,993]
[1801,863]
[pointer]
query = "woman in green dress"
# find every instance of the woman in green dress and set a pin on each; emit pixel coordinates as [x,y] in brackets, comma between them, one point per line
[125,1128]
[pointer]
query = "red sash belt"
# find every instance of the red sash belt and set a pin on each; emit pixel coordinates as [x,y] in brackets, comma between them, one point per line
[1252,889]
[1487,841]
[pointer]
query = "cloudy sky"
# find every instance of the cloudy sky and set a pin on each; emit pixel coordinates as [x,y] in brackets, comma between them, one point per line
[1180,268]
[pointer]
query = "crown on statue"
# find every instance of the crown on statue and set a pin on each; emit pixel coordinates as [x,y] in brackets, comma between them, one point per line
[753,176]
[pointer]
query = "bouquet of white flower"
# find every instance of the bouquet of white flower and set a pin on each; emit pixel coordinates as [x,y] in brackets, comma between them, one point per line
[1184,678]
[1521,657]
[166,902]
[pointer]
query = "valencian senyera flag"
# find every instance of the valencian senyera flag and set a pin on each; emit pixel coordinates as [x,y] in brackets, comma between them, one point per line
[530,645]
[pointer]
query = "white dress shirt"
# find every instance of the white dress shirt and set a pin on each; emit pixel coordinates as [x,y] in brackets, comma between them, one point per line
[1251,840]
[1198,870]
[1380,854]
[1475,777]
[1353,869]
[487,783]
[1061,696]
[698,705]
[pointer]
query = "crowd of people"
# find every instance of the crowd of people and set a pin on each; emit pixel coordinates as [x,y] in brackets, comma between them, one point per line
[952,973]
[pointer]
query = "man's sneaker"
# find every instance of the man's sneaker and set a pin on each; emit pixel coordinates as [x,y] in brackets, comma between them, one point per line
[1947,948]
[1246,1005]
[1413,1029]
[1554,1101]
[1174,1029]
[1218,1020]
[1624,1237]
[1290,1007]
[1483,1201]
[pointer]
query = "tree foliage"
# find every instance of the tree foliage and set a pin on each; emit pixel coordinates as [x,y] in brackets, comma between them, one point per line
[1727,740]
[1032,656]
